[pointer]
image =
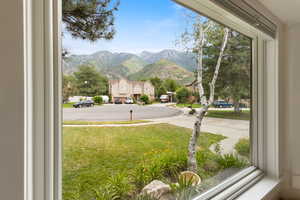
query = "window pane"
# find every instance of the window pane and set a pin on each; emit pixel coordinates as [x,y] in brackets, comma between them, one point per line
[157,101]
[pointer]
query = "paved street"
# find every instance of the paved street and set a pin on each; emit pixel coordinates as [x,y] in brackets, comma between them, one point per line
[119,112]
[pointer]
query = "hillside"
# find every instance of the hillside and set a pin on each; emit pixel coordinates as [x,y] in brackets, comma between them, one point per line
[164,64]
[184,59]
[164,69]
[113,65]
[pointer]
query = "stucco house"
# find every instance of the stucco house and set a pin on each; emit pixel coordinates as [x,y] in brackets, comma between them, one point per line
[121,89]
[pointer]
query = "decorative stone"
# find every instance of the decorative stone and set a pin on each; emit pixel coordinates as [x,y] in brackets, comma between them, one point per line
[156,189]
[190,176]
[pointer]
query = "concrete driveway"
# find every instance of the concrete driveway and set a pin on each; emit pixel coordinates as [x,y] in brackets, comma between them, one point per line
[119,112]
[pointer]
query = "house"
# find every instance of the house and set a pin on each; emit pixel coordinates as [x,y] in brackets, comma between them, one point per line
[122,89]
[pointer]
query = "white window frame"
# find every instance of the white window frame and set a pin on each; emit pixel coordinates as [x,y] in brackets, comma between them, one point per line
[42,48]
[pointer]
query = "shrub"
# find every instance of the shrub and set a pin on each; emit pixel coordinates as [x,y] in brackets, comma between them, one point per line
[182,95]
[243,147]
[145,197]
[164,165]
[211,166]
[105,193]
[98,99]
[192,111]
[119,186]
[231,161]
[144,98]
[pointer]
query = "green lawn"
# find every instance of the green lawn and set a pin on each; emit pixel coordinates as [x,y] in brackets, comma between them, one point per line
[104,123]
[183,105]
[108,162]
[68,105]
[227,114]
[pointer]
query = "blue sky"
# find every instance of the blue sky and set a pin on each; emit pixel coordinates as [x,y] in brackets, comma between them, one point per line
[150,25]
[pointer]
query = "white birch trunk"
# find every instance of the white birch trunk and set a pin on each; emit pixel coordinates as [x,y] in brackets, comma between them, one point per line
[192,149]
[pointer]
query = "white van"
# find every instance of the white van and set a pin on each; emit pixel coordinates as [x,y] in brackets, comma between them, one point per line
[164,98]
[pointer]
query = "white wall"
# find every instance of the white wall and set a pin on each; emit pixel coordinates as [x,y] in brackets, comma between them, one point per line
[290,109]
[11,101]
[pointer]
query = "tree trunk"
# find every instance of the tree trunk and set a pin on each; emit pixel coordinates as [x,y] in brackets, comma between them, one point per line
[236,105]
[192,149]
[192,161]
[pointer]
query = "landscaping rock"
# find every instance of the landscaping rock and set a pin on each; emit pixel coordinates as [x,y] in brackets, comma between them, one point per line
[157,189]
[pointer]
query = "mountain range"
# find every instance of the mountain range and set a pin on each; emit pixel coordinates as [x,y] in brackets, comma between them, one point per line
[165,64]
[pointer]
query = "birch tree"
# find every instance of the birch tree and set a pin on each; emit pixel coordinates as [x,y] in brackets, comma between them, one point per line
[198,39]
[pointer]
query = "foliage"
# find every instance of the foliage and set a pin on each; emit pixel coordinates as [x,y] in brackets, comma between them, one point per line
[192,111]
[182,95]
[90,19]
[182,184]
[243,147]
[144,98]
[105,193]
[69,87]
[119,185]
[166,164]
[90,82]
[232,161]
[93,156]
[227,114]
[158,87]
[98,99]
[234,79]
[187,105]
[170,85]
[145,197]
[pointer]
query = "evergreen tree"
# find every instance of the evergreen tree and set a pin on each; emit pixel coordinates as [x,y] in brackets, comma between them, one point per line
[170,85]
[90,82]
[69,87]
[90,19]
[159,89]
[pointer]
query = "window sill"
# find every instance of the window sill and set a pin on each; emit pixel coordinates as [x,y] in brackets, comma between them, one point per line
[265,189]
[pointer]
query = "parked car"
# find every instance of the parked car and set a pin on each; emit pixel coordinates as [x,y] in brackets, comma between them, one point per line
[129,100]
[118,101]
[222,104]
[105,99]
[86,103]
[164,98]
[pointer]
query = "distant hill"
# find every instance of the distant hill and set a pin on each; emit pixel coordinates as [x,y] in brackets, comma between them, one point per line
[117,65]
[184,59]
[164,69]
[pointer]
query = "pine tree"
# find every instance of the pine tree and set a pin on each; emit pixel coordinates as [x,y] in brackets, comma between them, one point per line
[90,19]
[90,82]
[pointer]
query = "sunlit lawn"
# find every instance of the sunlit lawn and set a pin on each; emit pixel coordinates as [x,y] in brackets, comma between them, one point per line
[103,123]
[92,155]
[228,114]
[183,105]
[68,105]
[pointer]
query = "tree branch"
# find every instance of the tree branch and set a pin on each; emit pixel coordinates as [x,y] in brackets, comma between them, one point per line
[216,73]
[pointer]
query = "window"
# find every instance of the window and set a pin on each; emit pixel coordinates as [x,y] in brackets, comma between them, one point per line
[255,44]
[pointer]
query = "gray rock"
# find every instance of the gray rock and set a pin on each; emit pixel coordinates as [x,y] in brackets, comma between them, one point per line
[157,189]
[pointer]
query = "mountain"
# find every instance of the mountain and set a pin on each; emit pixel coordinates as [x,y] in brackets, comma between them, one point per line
[184,59]
[114,65]
[117,65]
[164,69]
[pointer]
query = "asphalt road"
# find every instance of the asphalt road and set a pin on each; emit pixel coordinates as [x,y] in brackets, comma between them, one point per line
[119,112]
